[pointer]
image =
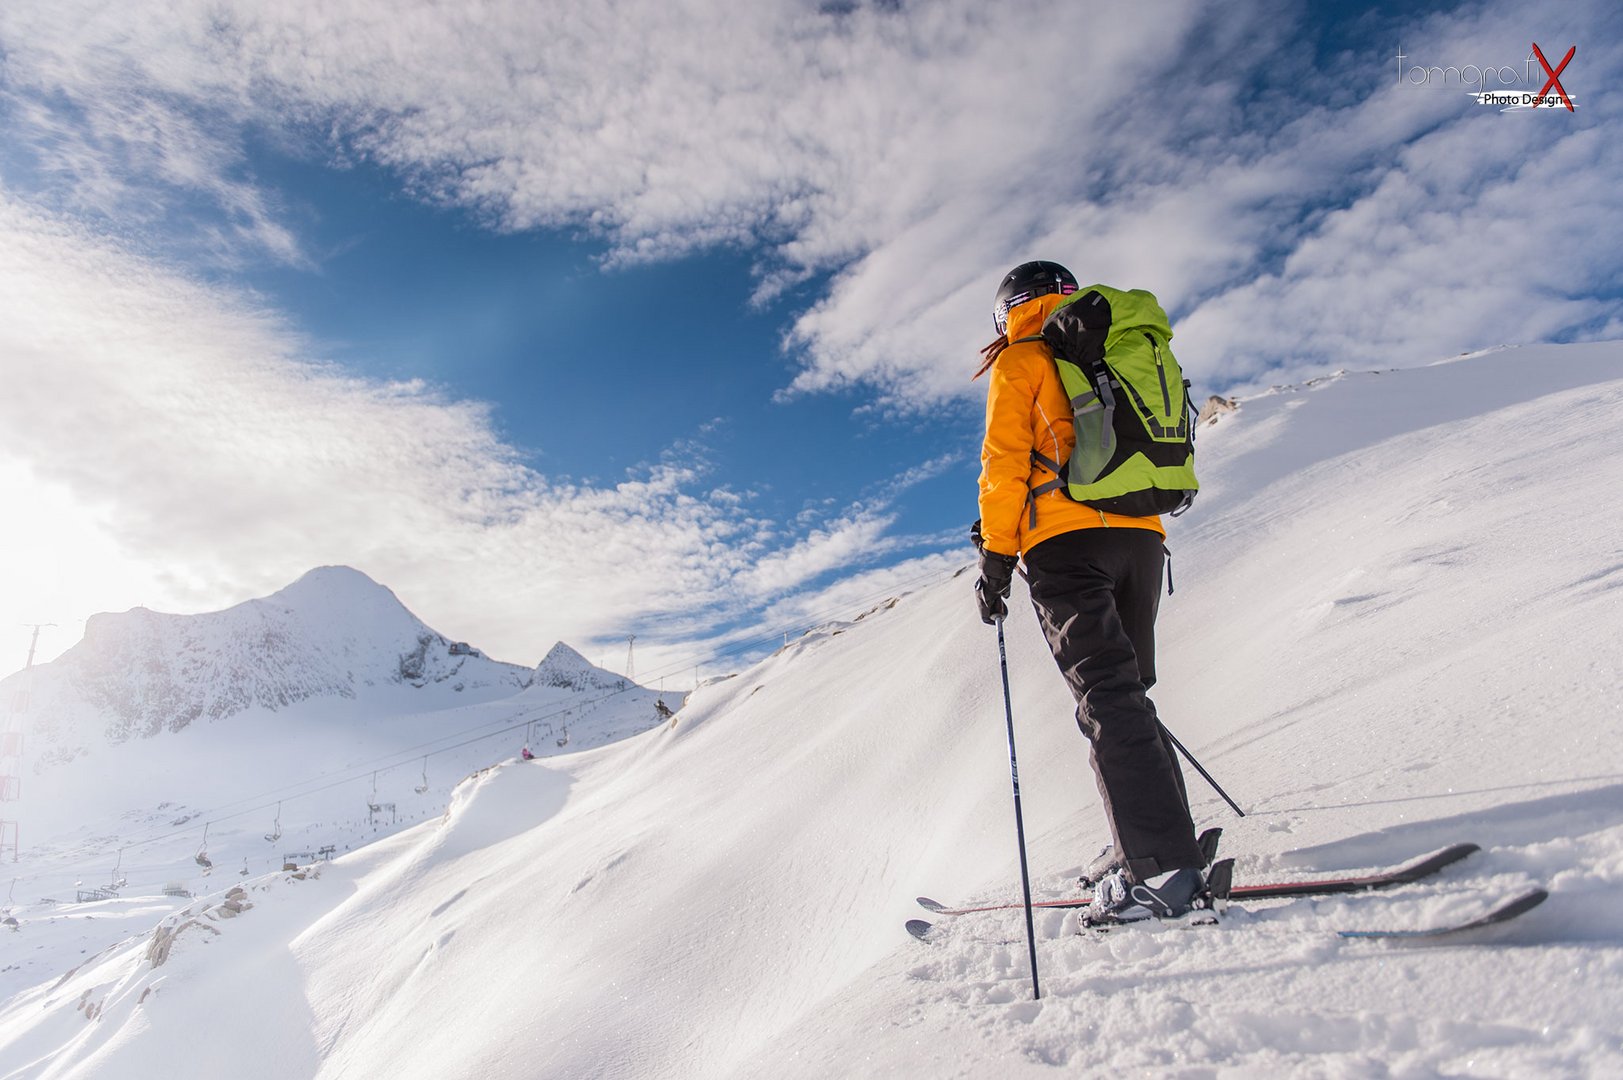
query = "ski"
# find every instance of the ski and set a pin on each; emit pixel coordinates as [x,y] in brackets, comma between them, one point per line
[1220,886]
[1402,875]
[920,927]
[1503,912]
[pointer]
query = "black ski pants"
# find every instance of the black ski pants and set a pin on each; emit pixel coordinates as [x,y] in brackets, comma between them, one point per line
[1097,592]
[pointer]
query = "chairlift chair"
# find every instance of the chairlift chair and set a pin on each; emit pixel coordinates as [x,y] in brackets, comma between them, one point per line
[274,835]
[202,856]
[422,789]
[117,881]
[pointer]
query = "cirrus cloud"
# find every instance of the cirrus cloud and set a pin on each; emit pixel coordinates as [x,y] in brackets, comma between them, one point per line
[914,150]
[195,439]
[1294,206]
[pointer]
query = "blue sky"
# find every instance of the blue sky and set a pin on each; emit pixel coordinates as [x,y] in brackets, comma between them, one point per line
[590,371]
[565,331]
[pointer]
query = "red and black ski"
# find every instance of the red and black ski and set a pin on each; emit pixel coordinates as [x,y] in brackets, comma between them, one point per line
[1502,912]
[1403,875]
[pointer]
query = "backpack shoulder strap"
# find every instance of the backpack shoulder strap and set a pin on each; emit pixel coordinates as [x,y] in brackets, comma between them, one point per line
[1058,468]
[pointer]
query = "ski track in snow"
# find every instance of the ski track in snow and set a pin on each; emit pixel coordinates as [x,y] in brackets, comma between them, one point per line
[1394,629]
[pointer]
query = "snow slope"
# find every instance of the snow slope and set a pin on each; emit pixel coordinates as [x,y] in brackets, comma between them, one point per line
[1395,627]
[388,716]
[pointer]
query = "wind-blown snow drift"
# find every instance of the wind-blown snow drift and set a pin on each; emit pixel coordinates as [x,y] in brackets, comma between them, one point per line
[1394,626]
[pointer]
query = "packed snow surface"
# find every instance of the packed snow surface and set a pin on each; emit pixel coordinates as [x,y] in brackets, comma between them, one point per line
[1395,627]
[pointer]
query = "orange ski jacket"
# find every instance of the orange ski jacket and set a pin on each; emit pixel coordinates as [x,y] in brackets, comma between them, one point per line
[1026,410]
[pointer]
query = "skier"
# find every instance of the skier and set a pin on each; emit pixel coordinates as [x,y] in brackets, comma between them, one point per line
[526,755]
[1095,583]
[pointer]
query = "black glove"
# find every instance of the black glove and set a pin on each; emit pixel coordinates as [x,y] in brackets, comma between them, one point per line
[997,572]
[975,535]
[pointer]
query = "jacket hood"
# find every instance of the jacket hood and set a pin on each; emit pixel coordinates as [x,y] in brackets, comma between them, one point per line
[1027,319]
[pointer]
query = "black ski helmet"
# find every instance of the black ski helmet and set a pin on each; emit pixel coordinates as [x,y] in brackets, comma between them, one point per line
[1026,281]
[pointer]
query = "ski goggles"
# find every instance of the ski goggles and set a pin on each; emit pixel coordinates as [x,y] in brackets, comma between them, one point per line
[1000,311]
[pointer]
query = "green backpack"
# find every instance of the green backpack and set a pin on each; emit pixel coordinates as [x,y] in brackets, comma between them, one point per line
[1135,437]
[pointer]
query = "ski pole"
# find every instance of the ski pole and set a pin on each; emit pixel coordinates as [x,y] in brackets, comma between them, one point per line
[1191,759]
[1019,823]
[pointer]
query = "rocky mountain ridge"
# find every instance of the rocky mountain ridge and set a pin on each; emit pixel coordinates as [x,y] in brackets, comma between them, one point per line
[333,633]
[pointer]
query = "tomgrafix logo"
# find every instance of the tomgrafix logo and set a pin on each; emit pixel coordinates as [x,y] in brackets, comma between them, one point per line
[1514,83]
[1555,76]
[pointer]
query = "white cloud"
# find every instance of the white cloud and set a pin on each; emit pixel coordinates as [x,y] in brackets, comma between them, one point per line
[915,149]
[1469,228]
[1292,205]
[785,619]
[1401,277]
[185,452]
[844,545]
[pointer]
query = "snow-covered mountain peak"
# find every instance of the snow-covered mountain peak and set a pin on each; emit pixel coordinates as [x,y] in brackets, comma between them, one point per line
[343,602]
[106,624]
[564,667]
[336,588]
[332,633]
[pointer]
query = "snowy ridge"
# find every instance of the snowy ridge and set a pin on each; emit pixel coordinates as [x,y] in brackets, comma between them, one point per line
[334,633]
[566,668]
[1374,644]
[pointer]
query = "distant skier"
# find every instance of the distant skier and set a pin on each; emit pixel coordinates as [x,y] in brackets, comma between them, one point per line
[1096,584]
[525,754]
